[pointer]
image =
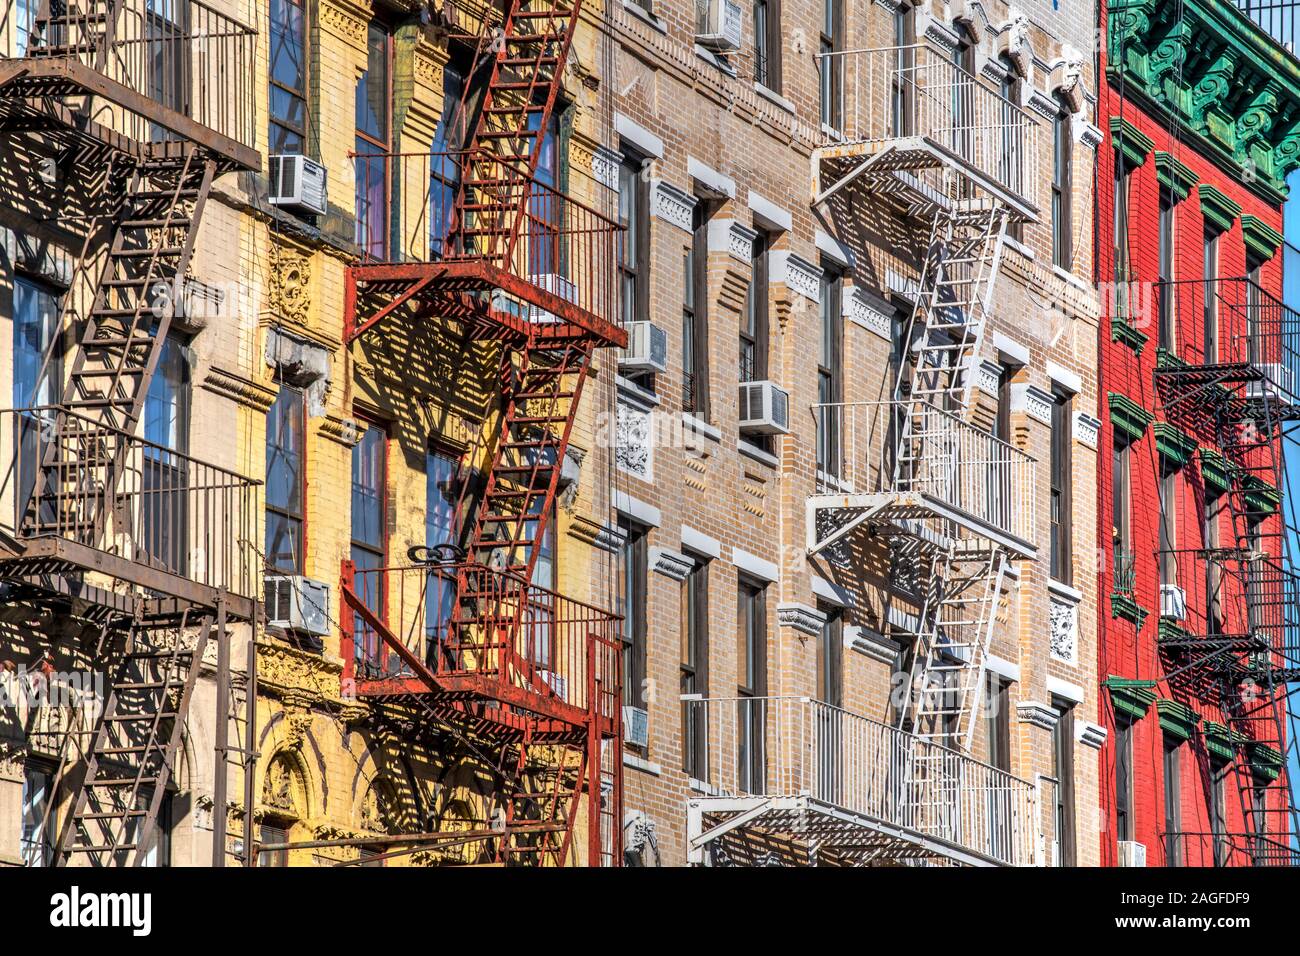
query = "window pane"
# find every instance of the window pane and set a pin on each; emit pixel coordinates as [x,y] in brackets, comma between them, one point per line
[368,478]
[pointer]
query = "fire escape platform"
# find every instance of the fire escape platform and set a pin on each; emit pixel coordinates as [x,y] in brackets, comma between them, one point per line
[909,513]
[46,562]
[837,166]
[858,837]
[437,280]
[40,80]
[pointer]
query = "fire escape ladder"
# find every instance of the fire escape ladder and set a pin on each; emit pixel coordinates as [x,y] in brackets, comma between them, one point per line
[542,801]
[133,749]
[71,28]
[120,343]
[505,146]
[952,640]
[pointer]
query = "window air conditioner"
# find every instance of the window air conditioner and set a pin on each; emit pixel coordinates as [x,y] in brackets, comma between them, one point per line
[1132,854]
[718,24]
[297,603]
[1279,384]
[636,726]
[1173,602]
[297,184]
[647,348]
[764,408]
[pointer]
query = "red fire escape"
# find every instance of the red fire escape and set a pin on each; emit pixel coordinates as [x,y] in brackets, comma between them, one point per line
[466,647]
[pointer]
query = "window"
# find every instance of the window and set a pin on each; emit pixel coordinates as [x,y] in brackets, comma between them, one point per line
[831,65]
[1210,263]
[963,106]
[1219,810]
[1121,531]
[1120,238]
[1012,160]
[634,240]
[830,658]
[288,77]
[1254,310]
[369,538]
[1169,504]
[751,660]
[1062,158]
[36,326]
[1123,780]
[1063,770]
[829,372]
[1173,802]
[444,164]
[902,78]
[695,316]
[1165,267]
[695,667]
[1062,557]
[285,428]
[830,692]
[167,56]
[633,610]
[373,143]
[270,835]
[440,493]
[1214,509]
[767,43]
[165,515]
[754,320]
[998,721]
[546,252]
[158,853]
[543,616]
[37,847]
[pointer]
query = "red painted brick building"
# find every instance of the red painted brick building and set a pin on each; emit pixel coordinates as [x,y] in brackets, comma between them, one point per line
[1196,371]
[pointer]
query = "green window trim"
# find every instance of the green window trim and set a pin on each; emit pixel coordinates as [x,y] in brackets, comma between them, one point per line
[1130,696]
[1123,331]
[1261,497]
[1266,761]
[1121,605]
[1177,720]
[1216,470]
[1130,142]
[1127,416]
[1219,211]
[1220,741]
[1173,444]
[1262,240]
[1175,176]
[1167,359]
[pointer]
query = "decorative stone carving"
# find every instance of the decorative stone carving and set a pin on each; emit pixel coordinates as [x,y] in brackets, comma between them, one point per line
[278,786]
[239,389]
[740,242]
[1014,42]
[988,377]
[1033,401]
[290,281]
[670,204]
[633,442]
[671,564]
[1041,103]
[796,275]
[1037,714]
[604,166]
[1064,626]
[801,617]
[860,312]
[640,838]
[605,537]
[342,430]
[342,22]
[1090,735]
[1086,428]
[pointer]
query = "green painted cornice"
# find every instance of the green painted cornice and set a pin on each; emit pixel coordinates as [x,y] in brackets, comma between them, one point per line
[1219,211]
[1128,416]
[1122,331]
[1220,741]
[1261,238]
[1121,605]
[1230,88]
[1130,696]
[1261,497]
[1266,761]
[1215,469]
[1177,720]
[1173,444]
[1133,145]
[1174,176]
[1167,359]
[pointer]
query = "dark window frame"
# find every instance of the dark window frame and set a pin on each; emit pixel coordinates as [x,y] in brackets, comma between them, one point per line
[1061,502]
[285,511]
[281,128]
[831,79]
[830,370]
[634,269]
[1062,185]
[1063,756]
[767,44]
[635,596]
[694,667]
[695,314]
[1124,824]
[751,680]
[372,245]
[1171,765]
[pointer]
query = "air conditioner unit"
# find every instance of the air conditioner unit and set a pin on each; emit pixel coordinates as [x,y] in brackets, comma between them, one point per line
[647,348]
[297,184]
[764,408]
[636,726]
[1173,602]
[1279,384]
[718,24]
[557,285]
[297,603]
[559,685]
[1132,854]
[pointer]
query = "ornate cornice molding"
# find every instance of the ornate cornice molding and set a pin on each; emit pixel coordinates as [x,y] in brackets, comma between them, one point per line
[602,536]
[801,617]
[671,204]
[240,389]
[1037,714]
[671,564]
[300,679]
[344,431]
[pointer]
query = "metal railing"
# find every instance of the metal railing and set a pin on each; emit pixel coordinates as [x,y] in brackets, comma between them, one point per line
[77,479]
[184,55]
[517,634]
[895,93]
[1234,322]
[533,232]
[913,446]
[1280,19]
[797,746]
[1229,849]
[1228,594]
[1124,572]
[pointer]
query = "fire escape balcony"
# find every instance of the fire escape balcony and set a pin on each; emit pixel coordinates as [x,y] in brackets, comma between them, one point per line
[906,118]
[121,523]
[949,482]
[503,656]
[516,258]
[1251,367]
[799,771]
[146,77]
